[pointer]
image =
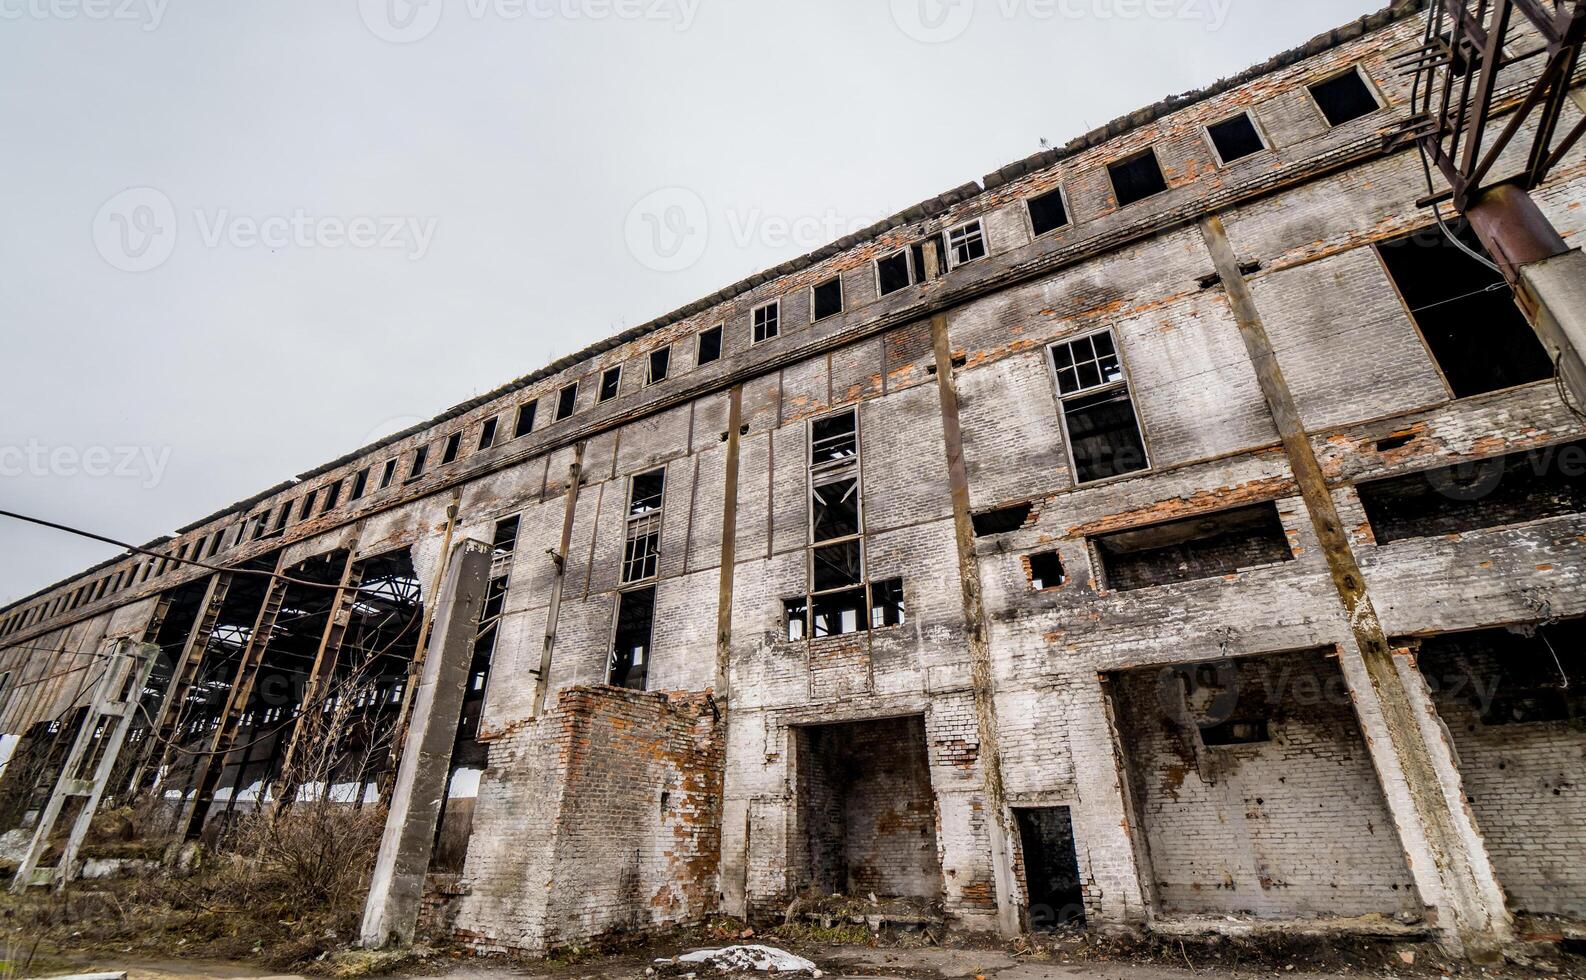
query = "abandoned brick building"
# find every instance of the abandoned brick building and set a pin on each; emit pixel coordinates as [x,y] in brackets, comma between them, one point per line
[972,559]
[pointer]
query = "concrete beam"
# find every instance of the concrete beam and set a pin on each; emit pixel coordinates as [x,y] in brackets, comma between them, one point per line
[391,912]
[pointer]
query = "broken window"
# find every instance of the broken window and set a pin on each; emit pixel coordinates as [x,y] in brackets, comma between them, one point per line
[421,456]
[1104,437]
[388,474]
[487,434]
[332,497]
[709,345]
[1052,880]
[503,543]
[660,365]
[902,268]
[1001,520]
[360,484]
[766,321]
[1046,570]
[454,443]
[826,298]
[1465,311]
[1475,494]
[1234,733]
[1236,138]
[641,555]
[610,380]
[261,521]
[1206,546]
[566,399]
[305,510]
[630,654]
[1048,211]
[1345,97]
[1137,178]
[1521,675]
[524,423]
[966,243]
[839,601]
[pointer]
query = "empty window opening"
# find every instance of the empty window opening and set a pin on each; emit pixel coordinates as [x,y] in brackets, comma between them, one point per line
[1104,437]
[1137,178]
[1345,98]
[1052,882]
[388,474]
[1048,212]
[641,555]
[1000,521]
[966,243]
[504,542]
[865,815]
[451,448]
[660,365]
[905,267]
[1046,570]
[305,510]
[524,423]
[261,521]
[1513,701]
[826,298]
[709,345]
[1466,312]
[610,381]
[566,399]
[421,456]
[1236,138]
[332,497]
[1492,492]
[767,321]
[487,434]
[1201,547]
[630,655]
[360,484]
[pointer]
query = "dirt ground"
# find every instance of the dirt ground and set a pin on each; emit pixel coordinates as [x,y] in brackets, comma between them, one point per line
[1077,957]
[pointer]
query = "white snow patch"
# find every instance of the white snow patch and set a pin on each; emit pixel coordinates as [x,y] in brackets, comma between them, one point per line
[737,959]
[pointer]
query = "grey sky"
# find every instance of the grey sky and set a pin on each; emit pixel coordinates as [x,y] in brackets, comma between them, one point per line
[497,152]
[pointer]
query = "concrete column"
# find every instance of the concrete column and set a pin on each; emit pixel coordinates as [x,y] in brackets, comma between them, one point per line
[391,912]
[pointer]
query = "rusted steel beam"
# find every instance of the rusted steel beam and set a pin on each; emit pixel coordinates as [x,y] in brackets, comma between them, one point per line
[729,546]
[575,478]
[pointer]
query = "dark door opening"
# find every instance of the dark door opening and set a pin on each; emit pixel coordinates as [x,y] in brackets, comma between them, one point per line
[1051,868]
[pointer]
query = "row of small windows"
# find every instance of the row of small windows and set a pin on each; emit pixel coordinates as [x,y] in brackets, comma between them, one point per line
[1103,430]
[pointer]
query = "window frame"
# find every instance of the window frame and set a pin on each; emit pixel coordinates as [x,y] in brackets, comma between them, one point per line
[489,429]
[1112,180]
[1061,190]
[572,410]
[754,312]
[649,366]
[720,330]
[947,243]
[1126,383]
[842,298]
[452,447]
[601,397]
[616,617]
[916,276]
[629,519]
[531,408]
[1261,134]
[1365,77]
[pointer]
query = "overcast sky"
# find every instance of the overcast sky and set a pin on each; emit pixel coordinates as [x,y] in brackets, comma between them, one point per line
[242,238]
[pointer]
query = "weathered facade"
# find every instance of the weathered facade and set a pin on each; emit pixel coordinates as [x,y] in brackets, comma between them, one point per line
[1169,527]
